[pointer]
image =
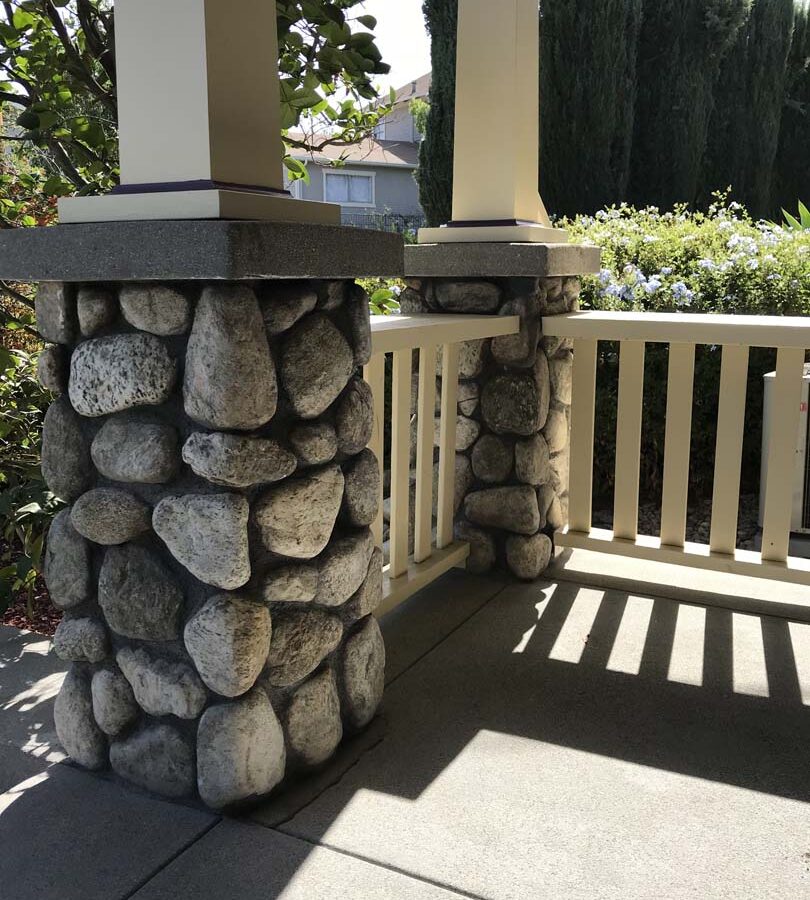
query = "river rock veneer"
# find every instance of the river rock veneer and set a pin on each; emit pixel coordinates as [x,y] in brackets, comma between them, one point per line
[215,566]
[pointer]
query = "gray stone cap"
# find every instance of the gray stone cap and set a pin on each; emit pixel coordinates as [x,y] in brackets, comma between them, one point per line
[501,260]
[196,250]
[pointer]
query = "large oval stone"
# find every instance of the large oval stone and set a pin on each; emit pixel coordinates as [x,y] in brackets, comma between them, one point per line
[76,727]
[67,564]
[528,556]
[363,673]
[66,465]
[162,687]
[492,459]
[109,516]
[229,639]
[296,518]
[139,597]
[354,418]
[52,369]
[96,308]
[111,374]
[55,308]
[158,758]
[343,568]
[361,499]
[126,449]
[80,640]
[315,444]
[155,308]
[233,461]
[296,583]
[316,365]
[240,751]
[208,534]
[518,404]
[230,379]
[313,724]
[114,705]
[370,593]
[532,460]
[284,303]
[302,639]
[510,508]
[468,296]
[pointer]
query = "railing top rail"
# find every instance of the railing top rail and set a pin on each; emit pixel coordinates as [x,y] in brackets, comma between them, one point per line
[398,332]
[690,328]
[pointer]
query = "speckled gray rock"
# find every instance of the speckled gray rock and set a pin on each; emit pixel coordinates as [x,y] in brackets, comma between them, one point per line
[162,687]
[96,308]
[126,449]
[467,432]
[207,533]
[354,418]
[560,465]
[52,369]
[561,373]
[233,461]
[468,296]
[359,316]
[528,557]
[115,373]
[518,404]
[343,567]
[492,459]
[139,597]
[519,350]
[313,724]
[156,308]
[363,673]
[302,638]
[296,583]
[509,508]
[554,345]
[110,516]
[556,430]
[296,518]
[65,463]
[361,497]
[55,308]
[463,481]
[470,359]
[158,758]
[469,395]
[114,705]
[412,303]
[80,640]
[229,639]
[332,295]
[314,444]
[532,460]
[369,594]
[482,548]
[240,751]
[284,304]
[551,511]
[316,365]
[67,564]
[76,728]
[230,380]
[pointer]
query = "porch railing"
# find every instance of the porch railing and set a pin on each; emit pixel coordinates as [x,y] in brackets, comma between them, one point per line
[400,336]
[735,335]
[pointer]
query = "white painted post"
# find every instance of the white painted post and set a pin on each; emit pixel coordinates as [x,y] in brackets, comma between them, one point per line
[496,161]
[199,116]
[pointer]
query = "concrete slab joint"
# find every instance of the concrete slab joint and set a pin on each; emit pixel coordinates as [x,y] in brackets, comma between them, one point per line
[515,402]
[218,579]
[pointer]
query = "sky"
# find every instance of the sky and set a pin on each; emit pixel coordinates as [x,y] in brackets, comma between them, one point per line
[401,38]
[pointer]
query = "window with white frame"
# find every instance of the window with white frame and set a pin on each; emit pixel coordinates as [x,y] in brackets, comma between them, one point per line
[349,188]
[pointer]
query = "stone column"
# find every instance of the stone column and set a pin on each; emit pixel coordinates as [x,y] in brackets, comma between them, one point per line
[214,563]
[514,393]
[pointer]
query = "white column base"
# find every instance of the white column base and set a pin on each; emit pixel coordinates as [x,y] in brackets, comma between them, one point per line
[493,234]
[207,204]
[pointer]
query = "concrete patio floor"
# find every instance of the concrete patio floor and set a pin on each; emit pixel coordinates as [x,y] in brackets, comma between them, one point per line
[553,740]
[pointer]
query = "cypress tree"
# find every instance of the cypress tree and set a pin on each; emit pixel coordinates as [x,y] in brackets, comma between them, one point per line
[435,173]
[681,46]
[749,99]
[792,168]
[587,98]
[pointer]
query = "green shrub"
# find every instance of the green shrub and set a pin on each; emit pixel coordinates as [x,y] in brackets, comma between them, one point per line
[26,505]
[718,262]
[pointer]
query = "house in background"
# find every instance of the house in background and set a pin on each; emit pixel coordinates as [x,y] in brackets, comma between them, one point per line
[375,186]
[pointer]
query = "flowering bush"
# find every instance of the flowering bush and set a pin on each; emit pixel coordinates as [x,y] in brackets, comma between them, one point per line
[720,261]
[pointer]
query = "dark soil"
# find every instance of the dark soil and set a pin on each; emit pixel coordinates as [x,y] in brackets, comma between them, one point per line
[40,616]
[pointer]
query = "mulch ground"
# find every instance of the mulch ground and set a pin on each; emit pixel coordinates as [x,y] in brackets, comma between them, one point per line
[42,617]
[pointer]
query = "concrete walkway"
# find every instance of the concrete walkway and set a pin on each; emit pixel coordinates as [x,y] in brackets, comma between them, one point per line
[537,741]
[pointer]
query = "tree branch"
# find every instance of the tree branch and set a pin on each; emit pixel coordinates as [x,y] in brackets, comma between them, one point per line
[16,295]
[65,163]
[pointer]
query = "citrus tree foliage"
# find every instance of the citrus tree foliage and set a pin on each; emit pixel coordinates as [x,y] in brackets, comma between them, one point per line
[58,82]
